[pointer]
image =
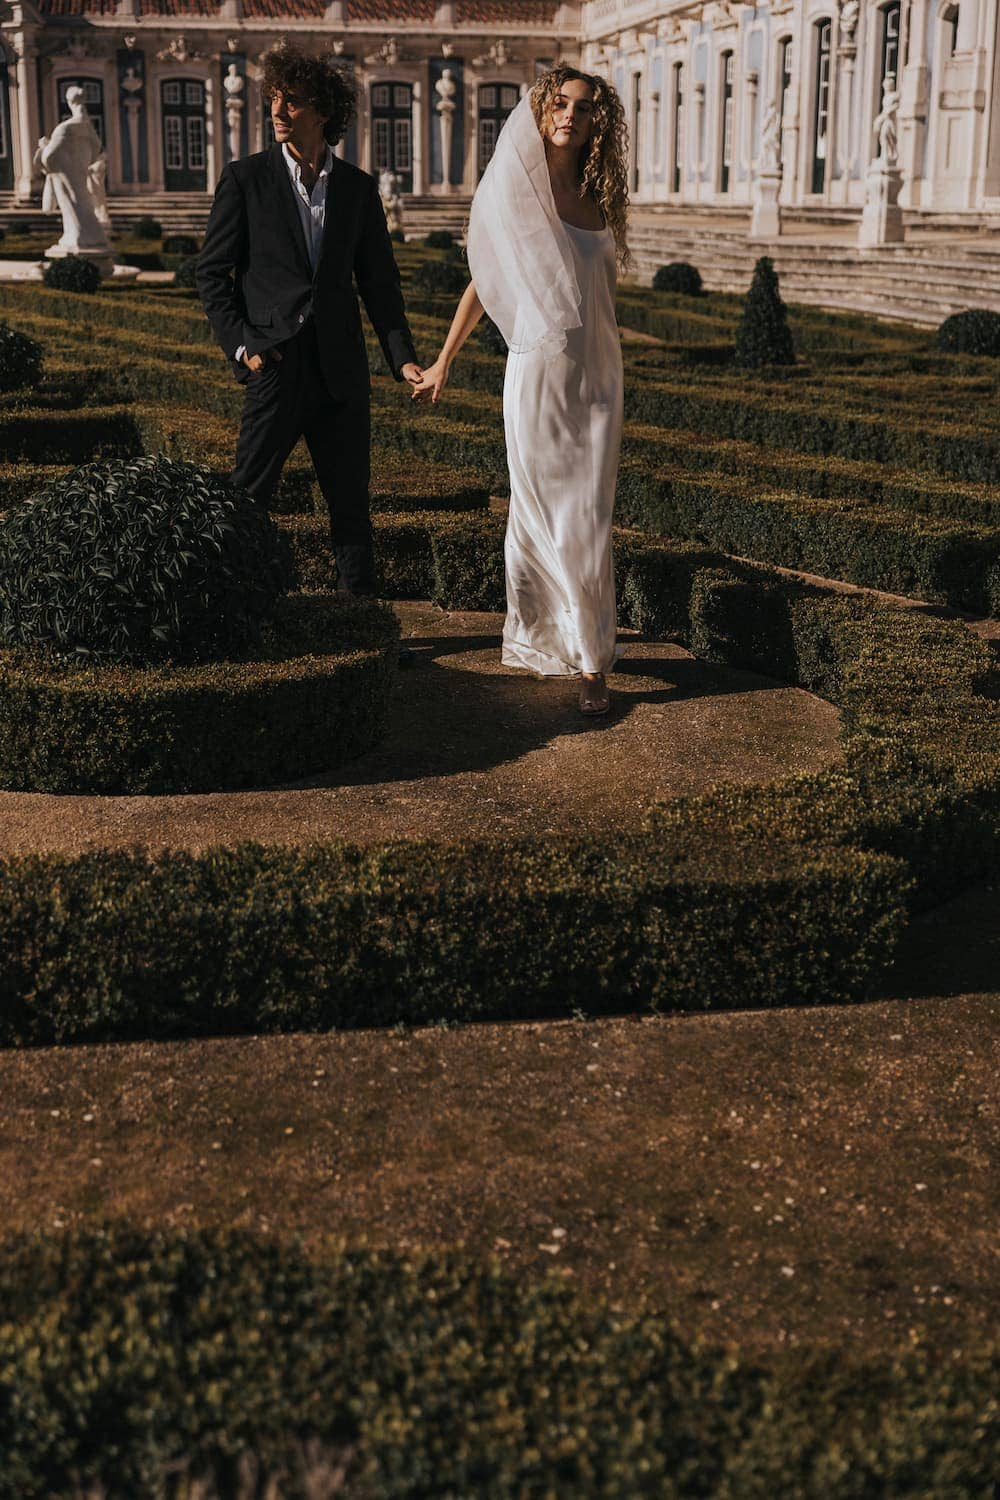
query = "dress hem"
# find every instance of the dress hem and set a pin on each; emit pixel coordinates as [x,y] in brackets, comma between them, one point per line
[516,654]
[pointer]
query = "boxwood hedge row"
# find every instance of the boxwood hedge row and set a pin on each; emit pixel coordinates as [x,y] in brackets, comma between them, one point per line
[317,696]
[432,1373]
[789,893]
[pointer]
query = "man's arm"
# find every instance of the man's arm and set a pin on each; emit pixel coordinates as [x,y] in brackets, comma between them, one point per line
[378,282]
[223,252]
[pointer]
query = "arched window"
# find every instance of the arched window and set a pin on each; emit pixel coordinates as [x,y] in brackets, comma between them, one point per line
[392,131]
[728,112]
[678,113]
[93,98]
[890,44]
[6,152]
[821,109]
[784,84]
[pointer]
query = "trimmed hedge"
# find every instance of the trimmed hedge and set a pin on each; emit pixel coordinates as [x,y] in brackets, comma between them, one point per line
[73,274]
[317,696]
[976,331]
[20,359]
[763,336]
[678,276]
[435,1374]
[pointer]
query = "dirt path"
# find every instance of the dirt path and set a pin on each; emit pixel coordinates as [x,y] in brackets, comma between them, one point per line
[477,750]
[822,1176]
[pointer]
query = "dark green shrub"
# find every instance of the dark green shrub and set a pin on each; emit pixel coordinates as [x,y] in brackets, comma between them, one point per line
[491,338]
[139,560]
[678,276]
[72,274]
[129,1355]
[976,331]
[397,236]
[441,278]
[763,336]
[20,359]
[315,695]
[440,239]
[148,228]
[3,234]
[179,244]
[186,274]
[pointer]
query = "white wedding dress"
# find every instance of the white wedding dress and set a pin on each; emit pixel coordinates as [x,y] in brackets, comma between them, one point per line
[563,423]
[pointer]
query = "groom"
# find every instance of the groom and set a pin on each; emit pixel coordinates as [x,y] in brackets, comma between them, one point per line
[289,229]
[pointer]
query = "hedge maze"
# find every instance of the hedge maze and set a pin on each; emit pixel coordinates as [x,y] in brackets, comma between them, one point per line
[873,459]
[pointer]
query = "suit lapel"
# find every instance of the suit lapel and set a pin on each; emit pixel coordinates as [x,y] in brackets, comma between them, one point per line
[288,211]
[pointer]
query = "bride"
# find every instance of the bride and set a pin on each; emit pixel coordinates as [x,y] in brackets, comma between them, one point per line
[546,235]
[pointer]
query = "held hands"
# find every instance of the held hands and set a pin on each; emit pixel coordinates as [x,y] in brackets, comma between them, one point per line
[433,381]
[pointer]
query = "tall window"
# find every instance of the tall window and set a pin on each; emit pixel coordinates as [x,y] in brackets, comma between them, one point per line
[785,70]
[185,160]
[6,155]
[890,43]
[821,117]
[678,143]
[950,19]
[496,100]
[725,170]
[636,129]
[392,131]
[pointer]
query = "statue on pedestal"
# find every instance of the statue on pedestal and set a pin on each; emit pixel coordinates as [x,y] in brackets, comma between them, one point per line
[67,158]
[885,127]
[770,139]
[234,85]
[446,89]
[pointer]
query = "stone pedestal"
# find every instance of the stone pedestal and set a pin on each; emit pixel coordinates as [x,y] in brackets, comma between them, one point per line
[765,219]
[882,220]
[102,256]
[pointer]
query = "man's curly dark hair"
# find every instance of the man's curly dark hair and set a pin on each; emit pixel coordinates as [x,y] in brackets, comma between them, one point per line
[318,81]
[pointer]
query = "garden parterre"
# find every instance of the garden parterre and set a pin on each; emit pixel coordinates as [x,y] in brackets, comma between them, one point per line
[782,894]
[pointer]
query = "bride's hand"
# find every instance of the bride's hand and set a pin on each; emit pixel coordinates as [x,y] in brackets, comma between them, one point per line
[433,381]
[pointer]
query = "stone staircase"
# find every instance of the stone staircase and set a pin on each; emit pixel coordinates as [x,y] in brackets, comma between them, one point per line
[934,273]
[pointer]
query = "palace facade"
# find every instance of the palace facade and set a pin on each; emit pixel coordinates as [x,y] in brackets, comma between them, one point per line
[171,87]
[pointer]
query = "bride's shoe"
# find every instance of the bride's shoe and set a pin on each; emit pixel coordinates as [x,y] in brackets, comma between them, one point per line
[594,699]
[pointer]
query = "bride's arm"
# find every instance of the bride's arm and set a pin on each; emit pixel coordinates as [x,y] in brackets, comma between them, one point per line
[435,376]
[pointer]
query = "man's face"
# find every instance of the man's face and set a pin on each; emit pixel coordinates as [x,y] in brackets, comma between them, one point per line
[295,123]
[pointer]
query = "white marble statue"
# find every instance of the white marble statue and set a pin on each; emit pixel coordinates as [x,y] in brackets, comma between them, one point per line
[885,127]
[97,177]
[770,139]
[234,86]
[66,157]
[392,202]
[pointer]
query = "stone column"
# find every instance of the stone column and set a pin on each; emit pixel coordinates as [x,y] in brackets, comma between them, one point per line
[790,125]
[417,110]
[914,102]
[848,56]
[27,181]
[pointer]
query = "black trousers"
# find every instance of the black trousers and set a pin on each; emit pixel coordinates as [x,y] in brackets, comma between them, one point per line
[288,400]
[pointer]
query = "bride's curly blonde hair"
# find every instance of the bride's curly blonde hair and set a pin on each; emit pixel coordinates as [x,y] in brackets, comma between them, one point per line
[603,170]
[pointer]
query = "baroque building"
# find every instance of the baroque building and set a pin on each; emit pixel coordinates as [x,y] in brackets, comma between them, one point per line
[170,85]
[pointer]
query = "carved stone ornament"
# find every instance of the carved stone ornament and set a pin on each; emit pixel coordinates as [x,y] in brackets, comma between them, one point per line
[178,50]
[723,14]
[497,56]
[849,12]
[78,49]
[388,54]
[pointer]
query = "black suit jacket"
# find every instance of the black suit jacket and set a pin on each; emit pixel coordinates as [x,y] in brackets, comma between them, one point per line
[258,288]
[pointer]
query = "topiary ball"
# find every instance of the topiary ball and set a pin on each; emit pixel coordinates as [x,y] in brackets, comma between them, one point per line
[397,236]
[440,239]
[179,244]
[73,274]
[491,337]
[20,359]
[186,274]
[975,331]
[441,278]
[148,228]
[139,560]
[678,276]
